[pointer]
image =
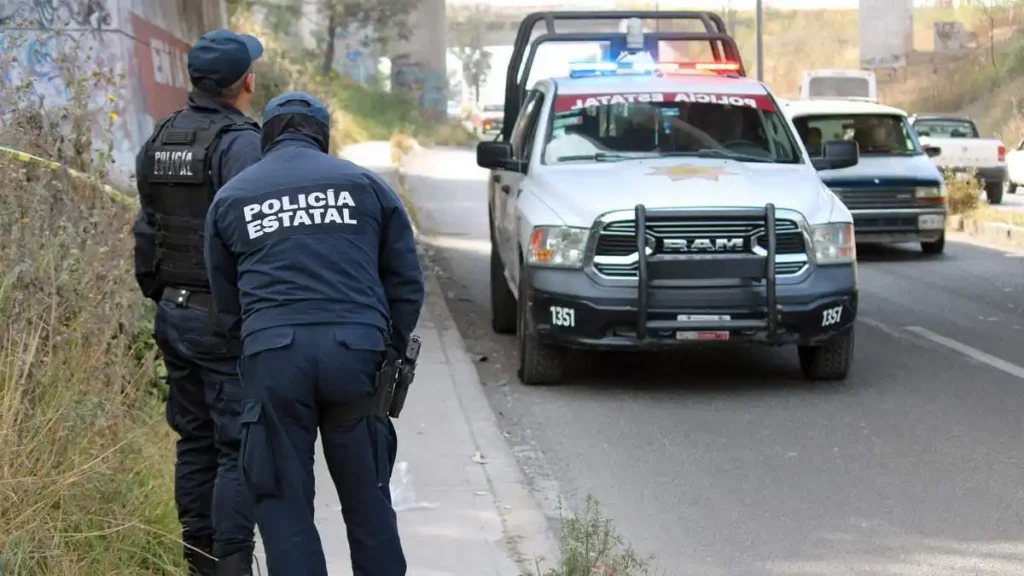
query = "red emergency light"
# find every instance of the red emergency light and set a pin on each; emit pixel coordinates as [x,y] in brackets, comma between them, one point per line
[713,67]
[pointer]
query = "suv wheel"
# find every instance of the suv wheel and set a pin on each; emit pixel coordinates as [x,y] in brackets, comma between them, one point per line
[994,192]
[828,361]
[539,363]
[1009,187]
[935,246]
[503,301]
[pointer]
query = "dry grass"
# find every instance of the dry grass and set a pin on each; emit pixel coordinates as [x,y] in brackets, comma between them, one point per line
[86,458]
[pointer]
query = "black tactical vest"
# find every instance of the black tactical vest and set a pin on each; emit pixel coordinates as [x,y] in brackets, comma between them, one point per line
[176,189]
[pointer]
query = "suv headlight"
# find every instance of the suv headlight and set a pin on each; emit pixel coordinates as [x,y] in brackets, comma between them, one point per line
[932,193]
[557,246]
[834,243]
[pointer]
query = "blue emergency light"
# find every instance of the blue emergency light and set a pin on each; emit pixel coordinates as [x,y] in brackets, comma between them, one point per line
[642,64]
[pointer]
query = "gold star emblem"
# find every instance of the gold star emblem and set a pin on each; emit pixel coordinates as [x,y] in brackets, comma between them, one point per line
[686,171]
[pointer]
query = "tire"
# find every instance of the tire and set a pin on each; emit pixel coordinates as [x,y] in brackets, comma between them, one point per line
[503,301]
[828,361]
[935,246]
[539,363]
[1009,187]
[994,192]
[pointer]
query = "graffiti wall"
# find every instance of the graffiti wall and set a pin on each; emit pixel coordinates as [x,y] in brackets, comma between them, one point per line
[428,86]
[144,41]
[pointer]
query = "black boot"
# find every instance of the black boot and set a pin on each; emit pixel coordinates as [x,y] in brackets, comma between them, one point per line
[238,564]
[201,561]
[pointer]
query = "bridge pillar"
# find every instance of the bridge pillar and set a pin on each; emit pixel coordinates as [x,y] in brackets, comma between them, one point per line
[419,65]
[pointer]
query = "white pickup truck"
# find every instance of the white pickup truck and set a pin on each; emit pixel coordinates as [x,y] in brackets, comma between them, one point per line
[962,149]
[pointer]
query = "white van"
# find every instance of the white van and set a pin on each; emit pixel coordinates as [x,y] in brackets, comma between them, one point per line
[839,83]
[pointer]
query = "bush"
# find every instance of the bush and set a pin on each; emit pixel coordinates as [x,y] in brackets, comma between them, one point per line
[964,197]
[85,454]
[590,546]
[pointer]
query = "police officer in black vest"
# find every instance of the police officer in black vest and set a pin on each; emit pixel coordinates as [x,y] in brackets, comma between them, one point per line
[312,260]
[189,157]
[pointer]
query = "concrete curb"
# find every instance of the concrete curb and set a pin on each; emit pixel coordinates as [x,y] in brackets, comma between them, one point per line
[995,233]
[528,538]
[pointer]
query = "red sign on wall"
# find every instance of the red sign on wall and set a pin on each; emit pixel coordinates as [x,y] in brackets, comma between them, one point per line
[162,61]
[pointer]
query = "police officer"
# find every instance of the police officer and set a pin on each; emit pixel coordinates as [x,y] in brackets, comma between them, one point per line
[189,157]
[312,258]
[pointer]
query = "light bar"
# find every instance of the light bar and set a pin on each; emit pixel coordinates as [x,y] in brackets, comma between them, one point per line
[640,66]
[716,67]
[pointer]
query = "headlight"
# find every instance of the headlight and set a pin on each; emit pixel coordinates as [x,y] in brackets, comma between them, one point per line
[834,243]
[930,192]
[557,246]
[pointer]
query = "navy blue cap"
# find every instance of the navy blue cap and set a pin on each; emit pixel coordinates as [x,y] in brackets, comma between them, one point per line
[220,58]
[297,103]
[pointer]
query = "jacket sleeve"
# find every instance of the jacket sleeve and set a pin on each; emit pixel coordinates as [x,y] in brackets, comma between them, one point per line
[145,246]
[399,266]
[221,268]
[238,149]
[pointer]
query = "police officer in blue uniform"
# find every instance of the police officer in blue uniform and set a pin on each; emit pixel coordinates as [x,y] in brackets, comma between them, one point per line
[313,260]
[189,157]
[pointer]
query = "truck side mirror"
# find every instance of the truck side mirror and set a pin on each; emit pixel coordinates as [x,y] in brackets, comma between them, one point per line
[838,154]
[493,155]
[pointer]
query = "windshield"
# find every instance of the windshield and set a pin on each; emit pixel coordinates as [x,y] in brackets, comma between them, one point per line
[879,134]
[608,127]
[946,128]
[838,87]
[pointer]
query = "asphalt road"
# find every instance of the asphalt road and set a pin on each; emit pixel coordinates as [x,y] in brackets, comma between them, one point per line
[726,462]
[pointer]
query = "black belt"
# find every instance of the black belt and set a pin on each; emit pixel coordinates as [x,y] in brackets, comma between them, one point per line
[183,297]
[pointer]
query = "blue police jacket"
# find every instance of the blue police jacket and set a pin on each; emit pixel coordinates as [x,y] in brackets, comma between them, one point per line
[303,237]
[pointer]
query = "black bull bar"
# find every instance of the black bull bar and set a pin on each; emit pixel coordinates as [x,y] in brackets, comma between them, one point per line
[662,270]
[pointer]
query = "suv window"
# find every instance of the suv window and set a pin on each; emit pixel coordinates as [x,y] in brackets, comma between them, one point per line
[600,127]
[526,126]
[838,87]
[876,134]
[946,128]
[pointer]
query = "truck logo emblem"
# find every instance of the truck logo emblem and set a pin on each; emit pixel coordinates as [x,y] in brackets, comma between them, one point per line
[703,245]
[687,171]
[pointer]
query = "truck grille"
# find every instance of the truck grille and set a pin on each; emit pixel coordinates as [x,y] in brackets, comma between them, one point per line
[878,198]
[618,239]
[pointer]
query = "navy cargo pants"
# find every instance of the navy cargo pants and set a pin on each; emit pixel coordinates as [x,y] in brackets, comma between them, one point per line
[294,378]
[203,407]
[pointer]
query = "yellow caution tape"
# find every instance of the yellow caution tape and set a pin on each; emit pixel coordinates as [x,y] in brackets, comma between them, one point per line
[26,157]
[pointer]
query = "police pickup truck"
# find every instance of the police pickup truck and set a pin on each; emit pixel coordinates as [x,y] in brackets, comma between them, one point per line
[639,205]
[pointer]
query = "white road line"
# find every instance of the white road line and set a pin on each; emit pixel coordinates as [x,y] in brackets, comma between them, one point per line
[883,327]
[974,353]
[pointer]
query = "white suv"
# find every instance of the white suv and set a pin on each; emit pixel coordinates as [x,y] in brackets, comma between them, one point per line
[646,206]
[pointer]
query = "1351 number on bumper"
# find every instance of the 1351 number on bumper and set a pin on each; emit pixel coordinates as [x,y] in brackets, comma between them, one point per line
[563,316]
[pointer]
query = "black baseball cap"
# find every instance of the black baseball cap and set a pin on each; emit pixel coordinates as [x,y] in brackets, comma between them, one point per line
[220,58]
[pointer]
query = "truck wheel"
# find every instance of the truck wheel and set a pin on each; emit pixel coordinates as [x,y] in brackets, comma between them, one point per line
[935,246]
[828,361]
[503,301]
[1009,187]
[994,192]
[539,363]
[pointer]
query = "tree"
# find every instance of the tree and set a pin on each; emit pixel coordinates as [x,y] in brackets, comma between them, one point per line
[467,29]
[388,20]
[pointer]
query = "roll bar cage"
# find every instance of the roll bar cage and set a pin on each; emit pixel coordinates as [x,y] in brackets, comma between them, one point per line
[723,46]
